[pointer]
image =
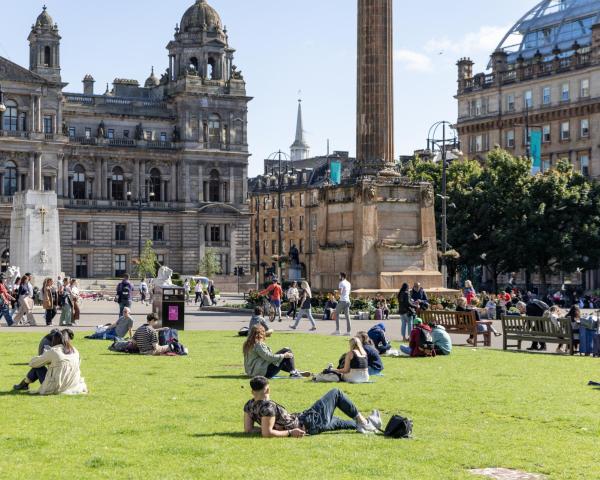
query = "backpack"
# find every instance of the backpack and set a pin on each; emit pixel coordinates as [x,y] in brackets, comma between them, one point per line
[123,292]
[426,346]
[399,427]
[243,332]
[167,337]
[177,348]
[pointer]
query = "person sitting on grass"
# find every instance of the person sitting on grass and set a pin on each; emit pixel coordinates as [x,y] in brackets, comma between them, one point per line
[145,337]
[415,342]
[442,342]
[373,357]
[258,319]
[260,360]
[117,330]
[57,368]
[274,421]
[355,368]
[380,341]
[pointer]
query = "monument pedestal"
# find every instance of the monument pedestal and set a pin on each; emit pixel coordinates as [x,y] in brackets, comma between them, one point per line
[35,235]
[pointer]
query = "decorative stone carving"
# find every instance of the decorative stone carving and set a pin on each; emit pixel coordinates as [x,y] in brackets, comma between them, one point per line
[101,130]
[12,273]
[427,196]
[163,278]
[369,193]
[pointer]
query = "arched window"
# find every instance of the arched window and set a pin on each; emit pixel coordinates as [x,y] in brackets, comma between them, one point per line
[79,183]
[10,179]
[118,184]
[214,131]
[214,190]
[154,186]
[212,69]
[47,56]
[10,116]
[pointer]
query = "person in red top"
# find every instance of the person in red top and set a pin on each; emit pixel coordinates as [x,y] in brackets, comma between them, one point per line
[5,299]
[415,340]
[274,292]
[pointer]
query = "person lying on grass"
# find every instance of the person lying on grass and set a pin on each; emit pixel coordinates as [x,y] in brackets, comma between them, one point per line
[260,360]
[275,421]
[57,369]
[118,330]
[146,337]
[258,319]
[356,364]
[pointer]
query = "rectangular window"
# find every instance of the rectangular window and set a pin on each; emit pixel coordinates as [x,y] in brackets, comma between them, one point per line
[120,232]
[48,184]
[479,143]
[120,265]
[266,203]
[584,130]
[565,131]
[160,259]
[546,164]
[81,231]
[510,102]
[313,222]
[265,225]
[273,203]
[301,246]
[265,245]
[565,94]
[282,225]
[48,124]
[301,223]
[72,132]
[546,135]
[110,133]
[81,266]
[273,247]
[273,225]
[547,96]
[158,233]
[301,199]
[292,201]
[125,133]
[528,99]
[163,136]
[584,164]
[585,88]
[291,224]
[88,132]
[215,234]
[148,135]
[478,107]
[510,139]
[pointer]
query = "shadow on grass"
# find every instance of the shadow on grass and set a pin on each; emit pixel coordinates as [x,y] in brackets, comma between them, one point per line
[225,377]
[19,364]
[225,435]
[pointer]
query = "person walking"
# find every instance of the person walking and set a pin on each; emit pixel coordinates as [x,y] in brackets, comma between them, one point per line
[25,301]
[124,293]
[187,289]
[75,301]
[407,309]
[143,291]
[305,307]
[5,302]
[343,306]
[49,300]
[292,295]
[212,292]
[66,304]
[198,292]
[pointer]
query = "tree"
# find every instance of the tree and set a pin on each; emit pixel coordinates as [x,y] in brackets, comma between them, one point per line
[147,263]
[209,264]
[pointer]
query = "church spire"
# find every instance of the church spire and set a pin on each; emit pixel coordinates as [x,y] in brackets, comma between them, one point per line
[299,149]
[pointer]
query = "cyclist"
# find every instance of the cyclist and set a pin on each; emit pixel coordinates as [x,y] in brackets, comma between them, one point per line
[274,292]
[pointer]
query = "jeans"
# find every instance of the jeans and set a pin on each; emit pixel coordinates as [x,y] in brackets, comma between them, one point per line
[293,309]
[37,374]
[5,312]
[107,335]
[319,418]
[287,365]
[586,341]
[343,308]
[122,305]
[49,316]
[374,372]
[406,350]
[407,324]
[305,312]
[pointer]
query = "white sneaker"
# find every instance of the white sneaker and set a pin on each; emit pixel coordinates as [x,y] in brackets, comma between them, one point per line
[337,332]
[365,428]
[375,419]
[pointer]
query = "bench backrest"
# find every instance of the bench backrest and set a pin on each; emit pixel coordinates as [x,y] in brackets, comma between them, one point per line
[449,319]
[537,325]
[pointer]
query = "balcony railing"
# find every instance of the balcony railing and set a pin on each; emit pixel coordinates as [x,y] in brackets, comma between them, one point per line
[121,142]
[83,140]
[14,134]
[218,244]
[160,144]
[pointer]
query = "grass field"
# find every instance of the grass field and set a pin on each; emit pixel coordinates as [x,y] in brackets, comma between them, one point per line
[180,418]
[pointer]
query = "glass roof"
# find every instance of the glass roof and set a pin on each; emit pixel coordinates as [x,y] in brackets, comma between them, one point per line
[549,24]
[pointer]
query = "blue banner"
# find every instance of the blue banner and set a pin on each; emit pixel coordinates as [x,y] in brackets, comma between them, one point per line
[335,168]
[535,139]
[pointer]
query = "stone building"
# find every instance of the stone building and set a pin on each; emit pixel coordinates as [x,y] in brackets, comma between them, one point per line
[177,146]
[545,77]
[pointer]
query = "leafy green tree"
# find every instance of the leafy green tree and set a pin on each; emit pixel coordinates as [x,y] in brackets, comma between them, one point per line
[209,264]
[147,264]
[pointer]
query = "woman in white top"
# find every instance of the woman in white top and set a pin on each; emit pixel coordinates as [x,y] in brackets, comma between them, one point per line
[356,364]
[57,368]
[292,297]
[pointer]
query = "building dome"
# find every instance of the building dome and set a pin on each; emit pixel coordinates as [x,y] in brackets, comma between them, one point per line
[152,80]
[550,26]
[200,16]
[44,19]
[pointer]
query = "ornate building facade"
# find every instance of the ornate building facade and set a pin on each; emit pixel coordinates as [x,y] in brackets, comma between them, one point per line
[176,148]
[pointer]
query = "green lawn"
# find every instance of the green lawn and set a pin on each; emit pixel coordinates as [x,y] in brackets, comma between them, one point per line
[180,418]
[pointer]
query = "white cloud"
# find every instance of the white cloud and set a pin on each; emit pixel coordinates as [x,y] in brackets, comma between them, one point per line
[413,61]
[483,41]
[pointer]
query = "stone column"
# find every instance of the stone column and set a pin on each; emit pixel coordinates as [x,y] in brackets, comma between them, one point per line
[173,195]
[244,184]
[375,95]
[135,189]
[105,192]
[162,191]
[201,240]
[233,247]
[32,123]
[2,185]
[200,183]
[38,172]
[59,175]
[232,185]
[31,178]
[98,179]
[66,177]
[186,180]
[39,114]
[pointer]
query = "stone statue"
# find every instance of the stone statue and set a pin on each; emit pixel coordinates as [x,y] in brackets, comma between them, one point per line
[176,135]
[101,130]
[163,278]
[12,273]
[65,129]
[235,74]
[294,255]
[43,257]
[427,195]
[139,132]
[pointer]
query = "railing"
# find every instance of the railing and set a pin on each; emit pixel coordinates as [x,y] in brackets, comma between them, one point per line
[7,199]
[218,244]
[122,243]
[14,134]
[121,142]
[83,140]
[77,98]
[82,242]
[49,136]
[160,144]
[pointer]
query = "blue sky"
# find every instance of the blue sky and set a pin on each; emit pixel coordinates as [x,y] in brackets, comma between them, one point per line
[283,47]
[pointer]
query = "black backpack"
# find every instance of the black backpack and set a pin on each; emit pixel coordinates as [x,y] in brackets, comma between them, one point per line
[399,427]
[426,345]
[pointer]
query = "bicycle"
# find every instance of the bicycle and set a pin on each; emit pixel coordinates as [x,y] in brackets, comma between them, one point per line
[268,309]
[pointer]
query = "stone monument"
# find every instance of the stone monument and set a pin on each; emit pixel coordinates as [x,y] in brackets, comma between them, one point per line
[377,227]
[35,235]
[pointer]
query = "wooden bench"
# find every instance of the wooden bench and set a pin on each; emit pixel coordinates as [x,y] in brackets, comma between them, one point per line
[537,329]
[459,322]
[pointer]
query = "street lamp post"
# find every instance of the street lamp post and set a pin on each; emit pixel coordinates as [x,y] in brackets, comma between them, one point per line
[441,145]
[140,203]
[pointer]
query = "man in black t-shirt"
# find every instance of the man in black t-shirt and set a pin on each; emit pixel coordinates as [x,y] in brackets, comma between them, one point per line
[275,421]
[536,308]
